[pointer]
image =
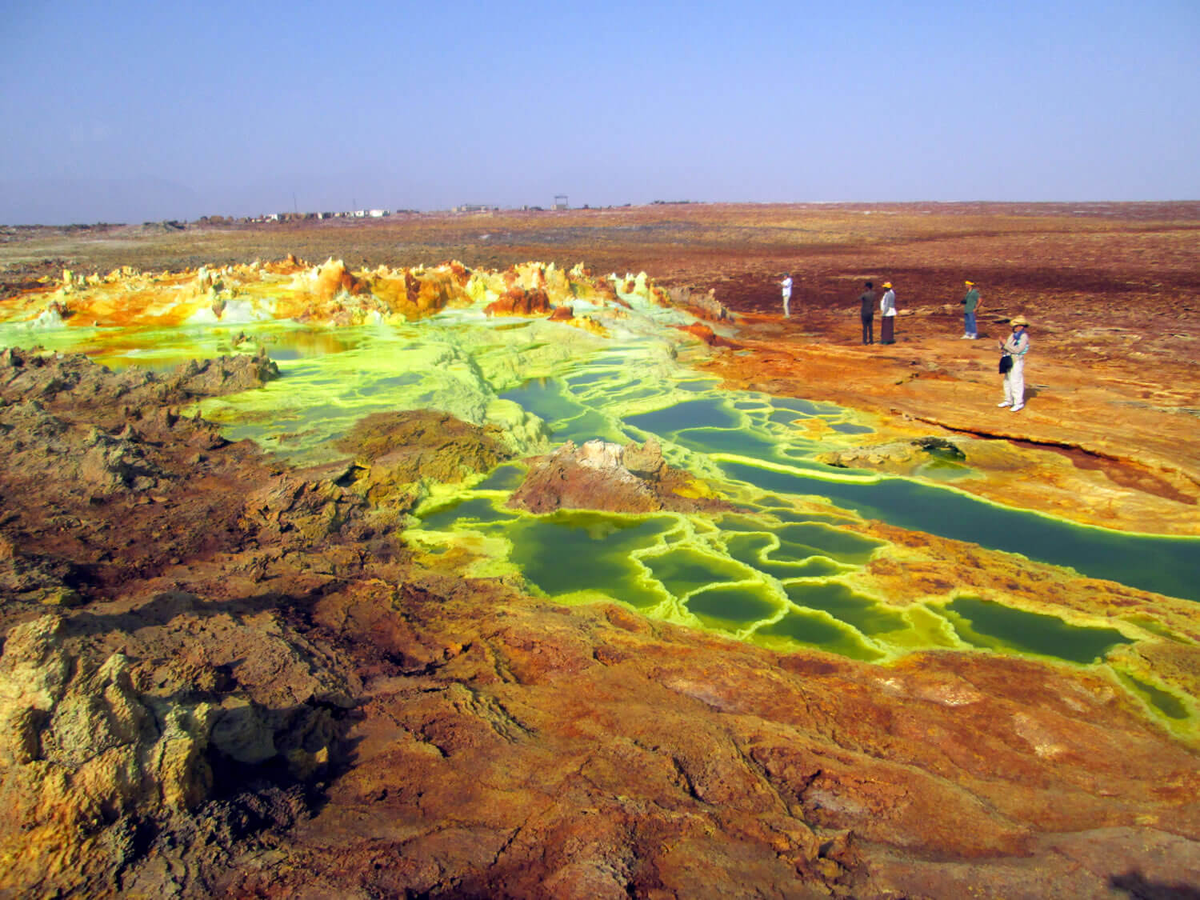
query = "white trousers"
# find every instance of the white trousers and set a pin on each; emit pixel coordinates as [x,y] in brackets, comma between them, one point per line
[787,299]
[1014,382]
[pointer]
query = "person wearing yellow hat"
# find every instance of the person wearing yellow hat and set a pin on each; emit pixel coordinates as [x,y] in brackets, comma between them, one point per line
[970,303]
[887,309]
[1012,364]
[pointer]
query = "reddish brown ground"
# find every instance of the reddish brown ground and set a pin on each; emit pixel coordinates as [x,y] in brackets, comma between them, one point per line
[374,724]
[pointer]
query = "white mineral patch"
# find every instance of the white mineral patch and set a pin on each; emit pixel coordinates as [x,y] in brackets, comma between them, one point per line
[1043,741]
[48,319]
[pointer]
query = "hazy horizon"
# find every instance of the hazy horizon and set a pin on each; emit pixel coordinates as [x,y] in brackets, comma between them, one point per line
[126,113]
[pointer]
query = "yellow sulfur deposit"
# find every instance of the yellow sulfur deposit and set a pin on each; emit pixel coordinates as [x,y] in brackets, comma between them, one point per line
[329,294]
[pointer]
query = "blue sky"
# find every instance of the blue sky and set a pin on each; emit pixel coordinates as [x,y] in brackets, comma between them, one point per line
[125,112]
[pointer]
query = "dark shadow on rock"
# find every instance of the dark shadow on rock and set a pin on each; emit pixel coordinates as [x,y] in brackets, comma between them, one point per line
[252,748]
[164,607]
[1139,887]
[234,781]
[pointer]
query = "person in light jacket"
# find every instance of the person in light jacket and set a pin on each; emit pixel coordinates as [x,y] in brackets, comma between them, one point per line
[1015,347]
[786,285]
[887,309]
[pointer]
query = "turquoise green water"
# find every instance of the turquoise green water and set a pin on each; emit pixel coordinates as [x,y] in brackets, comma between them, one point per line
[587,427]
[683,570]
[1161,564]
[731,607]
[851,428]
[544,397]
[716,440]
[1165,702]
[742,582]
[712,413]
[1156,627]
[569,552]
[999,627]
[805,407]
[507,477]
[764,552]
[473,512]
[575,382]
[865,614]
[814,630]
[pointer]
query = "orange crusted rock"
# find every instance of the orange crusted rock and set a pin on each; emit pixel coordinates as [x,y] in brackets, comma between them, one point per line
[703,332]
[659,296]
[518,302]
[412,288]
[602,475]
[461,273]
[286,266]
[333,277]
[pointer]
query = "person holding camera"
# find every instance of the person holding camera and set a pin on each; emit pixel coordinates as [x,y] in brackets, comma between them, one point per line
[1012,364]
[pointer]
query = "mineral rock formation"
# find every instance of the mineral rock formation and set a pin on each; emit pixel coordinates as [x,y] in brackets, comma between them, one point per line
[705,303]
[33,374]
[329,294]
[896,456]
[394,452]
[605,476]
[519,302]
[88,760]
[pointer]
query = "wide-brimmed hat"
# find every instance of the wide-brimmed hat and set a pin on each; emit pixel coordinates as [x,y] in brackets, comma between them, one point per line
[887,284]
[1019,320]
[970,284]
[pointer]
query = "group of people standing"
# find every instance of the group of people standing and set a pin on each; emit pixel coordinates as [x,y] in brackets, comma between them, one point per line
[1012,349]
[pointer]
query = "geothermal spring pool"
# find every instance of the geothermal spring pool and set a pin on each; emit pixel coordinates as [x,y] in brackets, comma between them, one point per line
[778,572]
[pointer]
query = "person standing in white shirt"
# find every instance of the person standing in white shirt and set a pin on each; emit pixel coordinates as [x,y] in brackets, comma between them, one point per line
[1015,348]
[887,308]
[786,284]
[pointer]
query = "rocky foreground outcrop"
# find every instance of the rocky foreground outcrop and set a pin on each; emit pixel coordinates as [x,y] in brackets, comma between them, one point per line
[222,677]
[605,476]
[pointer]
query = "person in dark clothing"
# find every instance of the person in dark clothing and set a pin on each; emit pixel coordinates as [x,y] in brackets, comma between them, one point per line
[868,314]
